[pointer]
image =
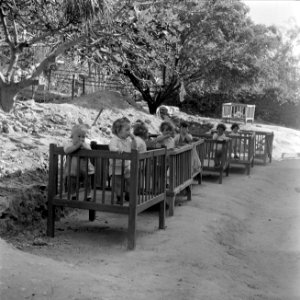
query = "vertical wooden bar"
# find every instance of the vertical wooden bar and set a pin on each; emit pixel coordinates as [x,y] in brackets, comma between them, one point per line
[122,181]
[61,176]
[133,200]
[104,178]
[69,159]
[95,179]
[51,188]
[162,205]
[113,181]
[77,177]
[73,86]
[86,178]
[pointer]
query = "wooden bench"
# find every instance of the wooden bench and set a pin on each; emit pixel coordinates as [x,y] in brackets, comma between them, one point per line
[244,144]
[207,156]
[147,185]
[181,172]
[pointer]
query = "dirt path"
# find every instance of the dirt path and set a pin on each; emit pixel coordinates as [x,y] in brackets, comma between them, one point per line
[238,240]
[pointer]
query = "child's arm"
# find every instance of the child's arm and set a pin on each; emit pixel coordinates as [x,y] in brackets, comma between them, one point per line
[72,147]
[85,146]
[161,138]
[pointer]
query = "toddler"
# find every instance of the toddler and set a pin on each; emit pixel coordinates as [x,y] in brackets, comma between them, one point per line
[234,132]
[122,141]
[77,142]
[219,136]
[140,132]
[166,138]
[183,137]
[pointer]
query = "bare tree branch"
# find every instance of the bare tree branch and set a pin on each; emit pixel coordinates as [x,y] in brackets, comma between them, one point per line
[16,36]
[2,79]
[12,64]
[50,59]
[5,28]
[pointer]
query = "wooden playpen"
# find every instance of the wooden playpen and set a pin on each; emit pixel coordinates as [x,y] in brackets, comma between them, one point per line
[238,112]
[263,148]
[242,149]
[181,171]
[147,185]
[208,156]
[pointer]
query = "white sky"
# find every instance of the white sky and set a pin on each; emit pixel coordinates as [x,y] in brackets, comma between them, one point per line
[277,12]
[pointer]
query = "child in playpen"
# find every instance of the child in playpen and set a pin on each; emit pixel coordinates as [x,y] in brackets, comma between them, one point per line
[77,142]
[122,141]
[234,132]
[219,136]
[184,138]
[140,132]
[166,138]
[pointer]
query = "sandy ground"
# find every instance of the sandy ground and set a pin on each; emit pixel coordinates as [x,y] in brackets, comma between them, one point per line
[238,240]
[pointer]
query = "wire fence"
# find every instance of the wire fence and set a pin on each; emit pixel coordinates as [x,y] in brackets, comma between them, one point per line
[74,84]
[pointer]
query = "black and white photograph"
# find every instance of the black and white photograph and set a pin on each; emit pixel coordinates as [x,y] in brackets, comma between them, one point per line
[150,149]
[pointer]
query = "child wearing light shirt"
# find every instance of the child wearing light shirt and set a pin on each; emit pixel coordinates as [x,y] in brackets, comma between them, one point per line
[235,132]
[166,138]
[122,141]
[77,142]
[219,136]
[140,132]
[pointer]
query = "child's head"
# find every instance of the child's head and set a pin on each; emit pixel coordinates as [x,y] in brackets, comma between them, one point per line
[163,112]
[184,127]
[221,129]
[138,122]
[235,127]
[141,130]
[78,134]
[121,128]
[166,128]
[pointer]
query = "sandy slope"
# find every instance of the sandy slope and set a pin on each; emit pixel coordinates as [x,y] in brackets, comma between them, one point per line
[238,240]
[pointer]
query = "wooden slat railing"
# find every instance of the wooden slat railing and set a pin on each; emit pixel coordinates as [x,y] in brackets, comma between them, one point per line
[102,196]
[208,155]
[263,145]
[181,172]
[242,149]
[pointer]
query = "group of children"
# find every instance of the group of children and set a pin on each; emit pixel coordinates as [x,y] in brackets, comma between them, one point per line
[124,140]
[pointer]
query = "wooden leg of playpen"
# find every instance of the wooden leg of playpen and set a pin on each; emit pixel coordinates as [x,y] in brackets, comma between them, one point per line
[199,178]
[171,203]
[227,170]
[189,193]
[131,227]
[92,215]
[248,169]
[221,176]
[162,215]
[51,220]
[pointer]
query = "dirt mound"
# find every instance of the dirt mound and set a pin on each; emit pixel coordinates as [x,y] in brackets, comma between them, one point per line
[102,99]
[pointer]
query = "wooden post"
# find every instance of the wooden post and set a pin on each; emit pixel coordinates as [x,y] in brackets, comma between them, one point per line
[83,85]
[133,200]
[51,189]
[162,205]
[73,85]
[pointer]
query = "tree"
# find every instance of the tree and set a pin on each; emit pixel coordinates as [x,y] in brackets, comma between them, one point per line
[58,25]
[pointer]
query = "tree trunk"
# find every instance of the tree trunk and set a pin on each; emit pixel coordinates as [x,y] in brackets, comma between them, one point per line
[152,107]
[8,94]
